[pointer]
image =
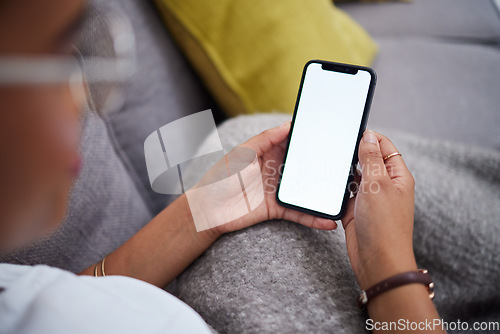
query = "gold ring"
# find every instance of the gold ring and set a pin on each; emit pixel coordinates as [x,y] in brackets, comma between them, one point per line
[392,155]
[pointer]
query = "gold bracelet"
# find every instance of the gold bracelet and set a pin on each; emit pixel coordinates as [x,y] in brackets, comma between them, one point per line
[102,267]
[96,271]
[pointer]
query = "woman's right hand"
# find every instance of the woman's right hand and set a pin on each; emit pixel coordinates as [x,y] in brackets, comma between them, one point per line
[379,219]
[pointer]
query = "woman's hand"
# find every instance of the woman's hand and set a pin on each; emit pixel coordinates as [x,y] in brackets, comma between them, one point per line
[379,219]
[269,147]
[379,235]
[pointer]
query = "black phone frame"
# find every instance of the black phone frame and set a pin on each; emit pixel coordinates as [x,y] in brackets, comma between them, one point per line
[343,68]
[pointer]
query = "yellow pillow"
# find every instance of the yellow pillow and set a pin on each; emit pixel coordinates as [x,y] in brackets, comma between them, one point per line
[250,54]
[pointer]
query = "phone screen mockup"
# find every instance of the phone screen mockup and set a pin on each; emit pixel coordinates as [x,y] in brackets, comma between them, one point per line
[328,122]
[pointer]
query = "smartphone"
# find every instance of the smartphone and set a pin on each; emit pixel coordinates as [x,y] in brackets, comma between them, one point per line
[328,122]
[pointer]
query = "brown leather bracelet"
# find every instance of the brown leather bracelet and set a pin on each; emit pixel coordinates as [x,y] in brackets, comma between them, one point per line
[421,276]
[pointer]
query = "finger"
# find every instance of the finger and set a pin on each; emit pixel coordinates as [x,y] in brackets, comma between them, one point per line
[349,214]
[370,157]
[264,141]
[309,220]
[395,165]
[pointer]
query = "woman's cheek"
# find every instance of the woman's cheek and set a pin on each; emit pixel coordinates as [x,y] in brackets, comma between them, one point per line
[66,142]
[39,145]
[60,136]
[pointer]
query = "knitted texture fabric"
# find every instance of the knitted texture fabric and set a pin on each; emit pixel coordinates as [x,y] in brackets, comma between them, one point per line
[281,277]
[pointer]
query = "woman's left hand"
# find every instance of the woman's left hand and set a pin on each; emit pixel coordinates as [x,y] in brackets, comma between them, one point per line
[270,147]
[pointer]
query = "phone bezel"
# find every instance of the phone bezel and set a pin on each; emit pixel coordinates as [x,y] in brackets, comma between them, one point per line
[364,119]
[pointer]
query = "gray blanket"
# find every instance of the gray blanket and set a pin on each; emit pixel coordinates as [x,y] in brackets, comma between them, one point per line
[281,277]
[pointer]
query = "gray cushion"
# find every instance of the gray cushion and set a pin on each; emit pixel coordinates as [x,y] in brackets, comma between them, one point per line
[439,90]
[438,67]
[163,89]
[105,209]
[474,19]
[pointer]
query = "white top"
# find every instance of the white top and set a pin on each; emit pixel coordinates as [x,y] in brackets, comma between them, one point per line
[42,299]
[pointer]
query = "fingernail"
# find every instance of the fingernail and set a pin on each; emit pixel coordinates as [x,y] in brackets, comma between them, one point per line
[369,137]
[285,124]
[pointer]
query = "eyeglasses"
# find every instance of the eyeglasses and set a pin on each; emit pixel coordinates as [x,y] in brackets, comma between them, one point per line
[103,60]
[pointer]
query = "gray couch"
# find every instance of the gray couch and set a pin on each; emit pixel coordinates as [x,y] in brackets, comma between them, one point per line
[438,68]
[439,77]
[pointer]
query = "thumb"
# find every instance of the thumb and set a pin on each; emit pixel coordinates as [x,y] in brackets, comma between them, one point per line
[264,141]
[370,156]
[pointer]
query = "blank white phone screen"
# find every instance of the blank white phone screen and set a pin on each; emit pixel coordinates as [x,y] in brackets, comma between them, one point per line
[323,139]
